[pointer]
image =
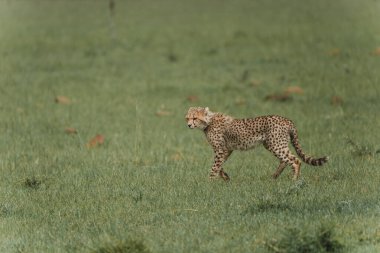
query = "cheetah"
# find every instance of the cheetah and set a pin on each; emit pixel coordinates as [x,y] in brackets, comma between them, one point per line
[226,134]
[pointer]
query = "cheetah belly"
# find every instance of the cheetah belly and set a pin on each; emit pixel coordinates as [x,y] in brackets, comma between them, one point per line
[248,145]
[244,142]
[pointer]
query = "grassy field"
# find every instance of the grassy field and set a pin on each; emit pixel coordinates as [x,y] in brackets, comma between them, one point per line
[130,75]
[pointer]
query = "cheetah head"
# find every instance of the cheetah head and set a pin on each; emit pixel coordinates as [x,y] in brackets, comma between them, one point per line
[198,117]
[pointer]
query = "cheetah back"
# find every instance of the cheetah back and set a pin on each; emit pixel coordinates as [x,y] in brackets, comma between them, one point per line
[243,134]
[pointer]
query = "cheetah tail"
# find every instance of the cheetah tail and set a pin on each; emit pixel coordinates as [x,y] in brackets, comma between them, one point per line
[307,159]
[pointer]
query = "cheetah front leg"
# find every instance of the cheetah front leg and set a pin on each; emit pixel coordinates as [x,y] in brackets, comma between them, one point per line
[220,157]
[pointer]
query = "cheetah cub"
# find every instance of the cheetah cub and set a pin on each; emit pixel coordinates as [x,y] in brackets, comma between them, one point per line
[226,134]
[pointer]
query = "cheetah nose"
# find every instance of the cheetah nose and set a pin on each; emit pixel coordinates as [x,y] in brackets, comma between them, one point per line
[189,125]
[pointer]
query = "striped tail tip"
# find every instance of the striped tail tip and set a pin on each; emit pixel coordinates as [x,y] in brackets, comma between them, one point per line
[319,161]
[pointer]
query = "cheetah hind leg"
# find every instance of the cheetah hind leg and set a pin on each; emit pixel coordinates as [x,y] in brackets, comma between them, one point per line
[224,175]
[285,157]
[296,166]
[279,170]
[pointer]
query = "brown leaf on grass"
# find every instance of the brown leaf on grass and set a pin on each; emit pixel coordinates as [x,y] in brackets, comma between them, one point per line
[96,141]
[240,101]
[163,113]
[286,94]
[294,90]
[62,100]
[336,100]
[376,52]
[254,83]
[334,52]
[192,98]
[282,97]
[176,156]
[70,130]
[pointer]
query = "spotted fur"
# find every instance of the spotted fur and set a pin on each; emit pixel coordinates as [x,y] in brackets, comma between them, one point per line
[226,134]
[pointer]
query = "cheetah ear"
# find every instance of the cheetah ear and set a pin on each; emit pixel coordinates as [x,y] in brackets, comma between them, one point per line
[208,112]
[208,115]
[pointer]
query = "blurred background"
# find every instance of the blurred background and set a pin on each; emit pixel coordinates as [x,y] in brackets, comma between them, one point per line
[94,144]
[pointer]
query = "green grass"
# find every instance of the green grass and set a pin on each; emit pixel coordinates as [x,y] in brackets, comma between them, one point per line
[146,189]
